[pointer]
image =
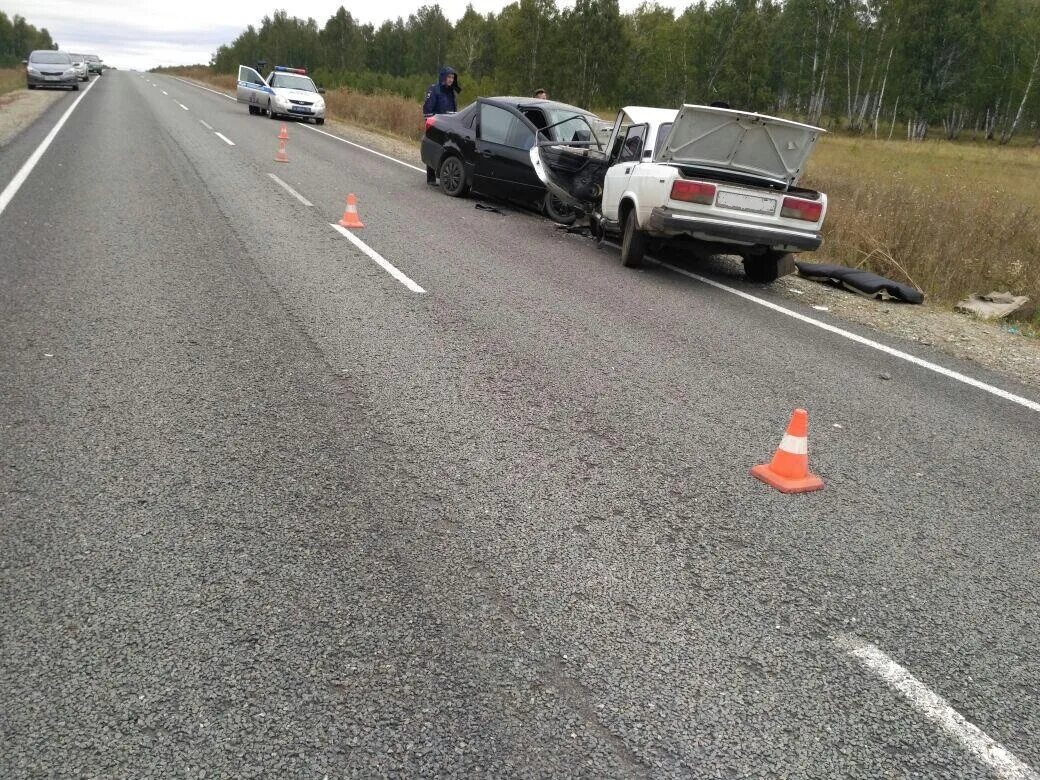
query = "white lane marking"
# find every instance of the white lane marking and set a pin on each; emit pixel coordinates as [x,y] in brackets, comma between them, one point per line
[183,106]
[936,709]
[215,92]
[383,262]
[164,92]
[203,123]
[27,167]
[291,191]
[956,375]
[224,138]
[365,148]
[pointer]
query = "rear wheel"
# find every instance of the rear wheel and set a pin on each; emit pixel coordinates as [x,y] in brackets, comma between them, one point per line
[254,110]
[768,266]
[633,242]
[558,211]
[453,177]
[270,111]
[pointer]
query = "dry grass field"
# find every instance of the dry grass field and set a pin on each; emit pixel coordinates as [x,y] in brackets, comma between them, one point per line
[949,218]
[11,79]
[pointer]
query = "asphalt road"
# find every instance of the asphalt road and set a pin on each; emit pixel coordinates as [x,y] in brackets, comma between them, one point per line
[267,512]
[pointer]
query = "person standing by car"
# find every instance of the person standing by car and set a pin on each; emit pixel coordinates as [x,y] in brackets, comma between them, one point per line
[541,94]
[440,99]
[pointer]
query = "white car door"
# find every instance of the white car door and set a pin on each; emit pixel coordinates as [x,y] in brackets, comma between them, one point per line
[252,89]
[629,153]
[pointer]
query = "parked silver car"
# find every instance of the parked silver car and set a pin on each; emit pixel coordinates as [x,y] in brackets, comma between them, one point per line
[79,62]
[49,68]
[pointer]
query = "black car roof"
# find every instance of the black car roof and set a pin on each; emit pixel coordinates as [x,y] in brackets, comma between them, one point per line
[513,100]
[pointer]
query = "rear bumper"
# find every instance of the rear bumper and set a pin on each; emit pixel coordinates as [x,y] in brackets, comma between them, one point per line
[668,222]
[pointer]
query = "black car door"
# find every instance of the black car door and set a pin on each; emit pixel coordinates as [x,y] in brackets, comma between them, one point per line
[503,164]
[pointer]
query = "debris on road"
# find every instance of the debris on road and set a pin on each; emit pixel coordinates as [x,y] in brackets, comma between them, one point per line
[860,282]
[485,207]
[996,305]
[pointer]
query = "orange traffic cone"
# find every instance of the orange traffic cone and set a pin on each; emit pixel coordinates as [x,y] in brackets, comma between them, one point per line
[284,134]
[281,156]
[788,471]
[350,216]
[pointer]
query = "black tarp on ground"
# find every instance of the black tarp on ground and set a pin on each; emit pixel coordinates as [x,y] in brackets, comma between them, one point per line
[857,281]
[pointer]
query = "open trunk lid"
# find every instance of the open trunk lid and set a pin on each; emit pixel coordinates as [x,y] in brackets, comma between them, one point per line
[740,141]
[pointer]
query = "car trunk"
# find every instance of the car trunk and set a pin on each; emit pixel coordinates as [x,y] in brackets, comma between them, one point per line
[708,139]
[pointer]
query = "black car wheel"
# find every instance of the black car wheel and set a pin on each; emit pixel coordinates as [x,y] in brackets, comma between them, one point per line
[270,111]
[633,242]
[453,177]
[254,110]
[320,121]
[75,87]
[558,211]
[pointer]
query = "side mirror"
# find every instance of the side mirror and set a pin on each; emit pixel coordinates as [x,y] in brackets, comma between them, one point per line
[321,90]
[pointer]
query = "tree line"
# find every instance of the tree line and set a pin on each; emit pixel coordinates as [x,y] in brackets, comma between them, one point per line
[18,38]
[880,67]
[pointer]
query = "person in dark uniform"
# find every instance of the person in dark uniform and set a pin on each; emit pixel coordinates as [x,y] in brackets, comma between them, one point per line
[440,99]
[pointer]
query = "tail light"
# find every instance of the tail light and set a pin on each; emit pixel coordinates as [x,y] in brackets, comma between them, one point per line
[429,121]
[807,210]
[693,191]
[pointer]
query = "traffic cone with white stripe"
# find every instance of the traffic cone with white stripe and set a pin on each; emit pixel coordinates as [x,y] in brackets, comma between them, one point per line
[350,216]
[788,471]
[284,133]
[281,156]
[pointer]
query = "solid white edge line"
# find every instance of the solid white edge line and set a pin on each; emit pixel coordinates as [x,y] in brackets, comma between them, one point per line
[214,91]
[365,148]
[383,263]
[936,709]
[183,106]
[224,138]
[27,167]
[926,364]
[203,123]
[290,190]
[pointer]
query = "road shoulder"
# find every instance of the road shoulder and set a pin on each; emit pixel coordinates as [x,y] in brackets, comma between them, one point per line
[21,108]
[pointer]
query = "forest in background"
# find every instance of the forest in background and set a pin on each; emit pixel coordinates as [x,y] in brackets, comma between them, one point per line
[911,68]
[18,38]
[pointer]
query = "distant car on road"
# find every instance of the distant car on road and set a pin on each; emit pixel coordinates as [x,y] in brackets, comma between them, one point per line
[486,147]
[79,62]
[285,92]
[49,68]
[94,64]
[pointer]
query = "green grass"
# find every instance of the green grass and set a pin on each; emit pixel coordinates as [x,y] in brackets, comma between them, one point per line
[11,79]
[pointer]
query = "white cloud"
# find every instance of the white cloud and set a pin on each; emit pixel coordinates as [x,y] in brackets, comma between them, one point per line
[133,35]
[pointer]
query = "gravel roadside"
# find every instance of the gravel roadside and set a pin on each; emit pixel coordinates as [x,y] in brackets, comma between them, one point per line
[21,108]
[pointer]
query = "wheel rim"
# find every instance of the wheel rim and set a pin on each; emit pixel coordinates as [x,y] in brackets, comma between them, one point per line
[559,208]
[454,175]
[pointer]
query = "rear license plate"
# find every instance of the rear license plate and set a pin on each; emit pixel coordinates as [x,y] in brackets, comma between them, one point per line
[741,202]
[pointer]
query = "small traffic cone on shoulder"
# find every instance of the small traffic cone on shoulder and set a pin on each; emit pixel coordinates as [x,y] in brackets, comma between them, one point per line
[284,133]
[281,156]
[350,216]
[788,471]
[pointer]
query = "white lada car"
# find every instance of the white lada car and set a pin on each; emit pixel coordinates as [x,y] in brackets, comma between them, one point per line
[285,92]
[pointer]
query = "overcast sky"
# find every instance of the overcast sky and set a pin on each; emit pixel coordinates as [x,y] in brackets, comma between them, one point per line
[131,34]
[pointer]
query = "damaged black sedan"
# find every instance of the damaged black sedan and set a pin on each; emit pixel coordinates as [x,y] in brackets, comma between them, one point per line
[486,146]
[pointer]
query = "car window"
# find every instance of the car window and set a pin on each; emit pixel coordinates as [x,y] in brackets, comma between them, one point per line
[495,124]
[632,148]
[520,136]
[249,75]
[50,58]
[292,81]
[662,134]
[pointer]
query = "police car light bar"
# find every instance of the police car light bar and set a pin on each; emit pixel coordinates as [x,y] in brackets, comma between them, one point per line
[283,69]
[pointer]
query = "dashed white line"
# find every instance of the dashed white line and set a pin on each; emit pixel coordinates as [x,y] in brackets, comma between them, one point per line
[926,364]
[214,91]
[164,92]
[183,106]
[365,148]
[224,138]
[27,167]
[936,709]
[203,123]
[291,191]
[383,263]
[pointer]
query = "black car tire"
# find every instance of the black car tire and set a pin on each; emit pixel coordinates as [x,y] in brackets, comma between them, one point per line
[453,177]
[558,211]
[633,242]
[75,87]
[270,111]
[319,121]
[254,110]
[764,268]
[30,86]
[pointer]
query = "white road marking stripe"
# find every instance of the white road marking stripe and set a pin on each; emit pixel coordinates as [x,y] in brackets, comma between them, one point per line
[383,263]
[365,148]
[956,375]
[291,191]
[183,106]
[207,126]
[164,92]
[937,710]
[27,167]
[224,138]
[214,91]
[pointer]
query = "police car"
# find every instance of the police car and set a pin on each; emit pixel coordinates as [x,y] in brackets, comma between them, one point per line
[285,92]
